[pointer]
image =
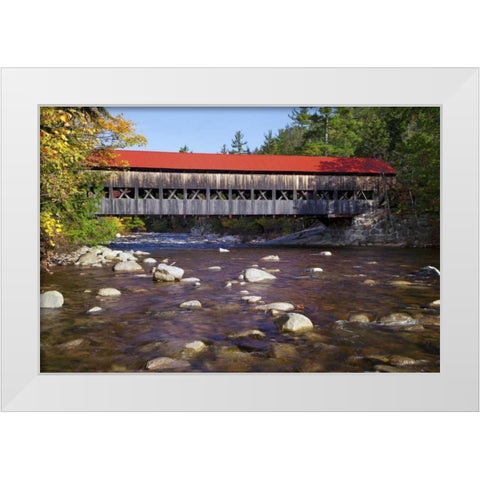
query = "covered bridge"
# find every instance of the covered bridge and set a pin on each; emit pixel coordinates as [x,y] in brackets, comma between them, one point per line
[204,184]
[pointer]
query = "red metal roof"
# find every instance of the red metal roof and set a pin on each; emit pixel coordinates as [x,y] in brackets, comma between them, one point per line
[250,163]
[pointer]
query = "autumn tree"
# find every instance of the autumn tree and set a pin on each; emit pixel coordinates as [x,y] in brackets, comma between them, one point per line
[69,189]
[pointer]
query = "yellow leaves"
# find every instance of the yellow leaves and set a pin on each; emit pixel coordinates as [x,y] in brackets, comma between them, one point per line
[51,226]
[69,138]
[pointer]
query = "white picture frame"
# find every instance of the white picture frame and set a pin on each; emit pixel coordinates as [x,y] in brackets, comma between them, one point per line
[455,388]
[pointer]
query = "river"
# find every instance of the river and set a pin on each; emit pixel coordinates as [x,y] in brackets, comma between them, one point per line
[145,322]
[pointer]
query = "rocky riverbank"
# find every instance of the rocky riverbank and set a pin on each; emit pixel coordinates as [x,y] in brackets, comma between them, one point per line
[369,229]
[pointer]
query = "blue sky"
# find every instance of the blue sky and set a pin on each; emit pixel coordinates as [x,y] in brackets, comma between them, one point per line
[203,129]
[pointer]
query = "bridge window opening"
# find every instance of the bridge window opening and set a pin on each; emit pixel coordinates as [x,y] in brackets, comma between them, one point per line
[123,192]
[196,194]
[262,194]
[324,195]
[304,195]
[365,195]
[173,193]
[284,195]
[151,193]
[218,194]
[106,192]
[241,194]
[346,195]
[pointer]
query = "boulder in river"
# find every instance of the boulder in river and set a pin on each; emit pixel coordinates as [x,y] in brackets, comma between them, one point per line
[191,304]
[167,273]
[294,322]
[109,292]
[190,280]
[256,275]
[326,254]
[428,272]
[223,250]
[314,270]
[279,306]
[51,299]
[125,257]
[128,266]
[149,260]
[88,258]
[271,258]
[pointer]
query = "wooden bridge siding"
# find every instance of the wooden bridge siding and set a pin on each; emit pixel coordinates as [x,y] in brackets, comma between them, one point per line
[132,207]
[224,181]
[229,182]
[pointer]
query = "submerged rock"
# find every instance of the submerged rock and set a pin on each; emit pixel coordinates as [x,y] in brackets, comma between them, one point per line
[72,343]
[401,283]
[109,292]
[255,275]
[166,363]
[51,299]
[191,304]
[215,268]
[284,351]
[248,333]
[194,348]
[94,310]
[359,318]
[294,322]
[397,319]
[386,368]
[401,361]
[314,270]
[326,254]
[429,320]
[251,298]
[128,266]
